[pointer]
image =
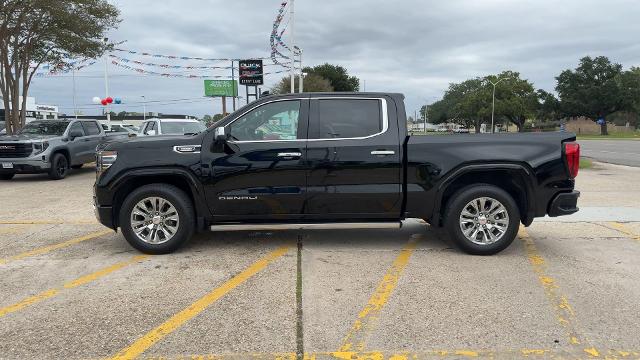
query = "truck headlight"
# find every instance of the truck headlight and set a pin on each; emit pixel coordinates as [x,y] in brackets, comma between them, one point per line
[104,159]
[39,148]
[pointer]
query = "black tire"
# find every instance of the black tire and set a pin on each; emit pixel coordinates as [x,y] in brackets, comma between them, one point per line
[461,199]
[76,167]
[178,199]
[7,176]
[59,167]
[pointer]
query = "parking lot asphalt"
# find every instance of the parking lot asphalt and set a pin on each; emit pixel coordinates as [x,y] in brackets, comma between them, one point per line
[622,152]
[72,289]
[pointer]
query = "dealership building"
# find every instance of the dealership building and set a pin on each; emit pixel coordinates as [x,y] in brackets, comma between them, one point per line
[34,111]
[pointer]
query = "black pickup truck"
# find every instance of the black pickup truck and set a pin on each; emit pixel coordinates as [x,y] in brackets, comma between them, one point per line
[332,160]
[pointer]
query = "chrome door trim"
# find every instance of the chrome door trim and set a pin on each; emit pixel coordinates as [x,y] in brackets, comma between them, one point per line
[383,106]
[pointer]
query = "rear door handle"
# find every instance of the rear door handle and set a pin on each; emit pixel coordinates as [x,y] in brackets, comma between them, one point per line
[289,154]
[383,152]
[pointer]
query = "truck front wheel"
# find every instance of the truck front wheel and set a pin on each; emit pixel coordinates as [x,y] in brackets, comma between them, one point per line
[482,219]
[59,167]
[157,218]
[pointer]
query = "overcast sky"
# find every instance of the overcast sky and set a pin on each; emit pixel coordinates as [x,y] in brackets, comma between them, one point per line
[416,47]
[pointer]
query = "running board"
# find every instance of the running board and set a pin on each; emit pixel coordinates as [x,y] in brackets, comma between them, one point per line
[312,226]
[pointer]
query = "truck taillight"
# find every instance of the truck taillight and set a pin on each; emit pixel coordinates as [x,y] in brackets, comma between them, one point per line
[572,154]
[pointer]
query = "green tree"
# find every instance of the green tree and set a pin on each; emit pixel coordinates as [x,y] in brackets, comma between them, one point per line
[466,103]
[217,117]
[549,108]
[35,32]
[312,83]
[516,98]
[593,89]
[337,75]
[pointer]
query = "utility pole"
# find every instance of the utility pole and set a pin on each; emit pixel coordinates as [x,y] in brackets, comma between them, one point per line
[233,77]
[75,108]
[292,45]
[426,109]
[301,81]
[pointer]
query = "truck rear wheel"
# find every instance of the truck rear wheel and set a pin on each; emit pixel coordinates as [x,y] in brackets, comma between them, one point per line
[482,219]
[7,176]
[157,218]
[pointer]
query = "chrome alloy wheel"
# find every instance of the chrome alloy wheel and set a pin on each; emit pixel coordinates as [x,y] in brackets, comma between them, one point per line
[484,221]
[154,220]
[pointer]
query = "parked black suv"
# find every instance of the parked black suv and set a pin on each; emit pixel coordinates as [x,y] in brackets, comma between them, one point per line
[328,160]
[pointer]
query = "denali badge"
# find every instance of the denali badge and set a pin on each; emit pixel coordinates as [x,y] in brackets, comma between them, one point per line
[237,198]
[7,147]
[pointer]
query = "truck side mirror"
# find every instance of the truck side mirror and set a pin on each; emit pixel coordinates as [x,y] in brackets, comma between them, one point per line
[221,135]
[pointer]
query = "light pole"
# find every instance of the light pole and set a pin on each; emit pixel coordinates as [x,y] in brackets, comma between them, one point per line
[106,81]
[493,105]
[144,108]
[301,81]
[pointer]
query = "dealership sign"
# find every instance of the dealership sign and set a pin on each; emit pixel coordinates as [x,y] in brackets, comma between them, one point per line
[220,88]
[251,72]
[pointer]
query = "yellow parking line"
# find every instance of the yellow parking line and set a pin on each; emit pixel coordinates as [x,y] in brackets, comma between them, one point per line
[623,229]
[50,248]
[48,222]
[177,320]
[10,230]
[356,337]
[564,311]
[406,355]
[70,285]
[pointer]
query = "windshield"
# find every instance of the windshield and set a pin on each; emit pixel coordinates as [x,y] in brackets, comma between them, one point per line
[181,127]
[44,128]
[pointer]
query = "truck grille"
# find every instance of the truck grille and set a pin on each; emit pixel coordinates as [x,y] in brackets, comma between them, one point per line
[15,150]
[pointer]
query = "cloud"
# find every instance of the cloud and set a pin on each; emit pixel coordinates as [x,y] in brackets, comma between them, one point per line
[411,46]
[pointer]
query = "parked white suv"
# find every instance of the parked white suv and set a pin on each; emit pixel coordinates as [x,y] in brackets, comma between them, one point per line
[171,127]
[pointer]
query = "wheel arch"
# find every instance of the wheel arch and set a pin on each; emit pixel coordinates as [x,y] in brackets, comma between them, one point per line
[179,178]
[516,179]
[63,151]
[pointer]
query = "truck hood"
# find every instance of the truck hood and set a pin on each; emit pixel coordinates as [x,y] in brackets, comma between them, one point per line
[26,138]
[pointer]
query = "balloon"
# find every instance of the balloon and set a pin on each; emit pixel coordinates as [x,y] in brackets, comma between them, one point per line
[117,100]
[96,100]
[109,99]
[104,102]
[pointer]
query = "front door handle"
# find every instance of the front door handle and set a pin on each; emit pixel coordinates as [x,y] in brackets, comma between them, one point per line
[383,152]
[289,154]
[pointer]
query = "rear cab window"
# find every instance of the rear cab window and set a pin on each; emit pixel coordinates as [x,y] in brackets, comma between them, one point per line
[347,118]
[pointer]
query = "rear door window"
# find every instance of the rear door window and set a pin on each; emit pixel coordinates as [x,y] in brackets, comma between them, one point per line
[347,118]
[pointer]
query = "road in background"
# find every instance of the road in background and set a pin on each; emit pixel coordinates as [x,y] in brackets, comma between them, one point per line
[621,152]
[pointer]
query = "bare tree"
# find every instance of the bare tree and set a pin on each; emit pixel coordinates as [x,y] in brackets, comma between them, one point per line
[35,32]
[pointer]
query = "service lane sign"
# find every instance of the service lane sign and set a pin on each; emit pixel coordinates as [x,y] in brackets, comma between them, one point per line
[251,72]
[217,88]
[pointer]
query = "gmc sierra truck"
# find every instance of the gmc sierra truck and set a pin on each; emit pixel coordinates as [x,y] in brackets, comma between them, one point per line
[49,146]
[332,160]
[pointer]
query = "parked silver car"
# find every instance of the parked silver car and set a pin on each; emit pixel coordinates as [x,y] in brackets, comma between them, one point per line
[172,127]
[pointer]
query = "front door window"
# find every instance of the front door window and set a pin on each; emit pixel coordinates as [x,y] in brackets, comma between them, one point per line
[273,121]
